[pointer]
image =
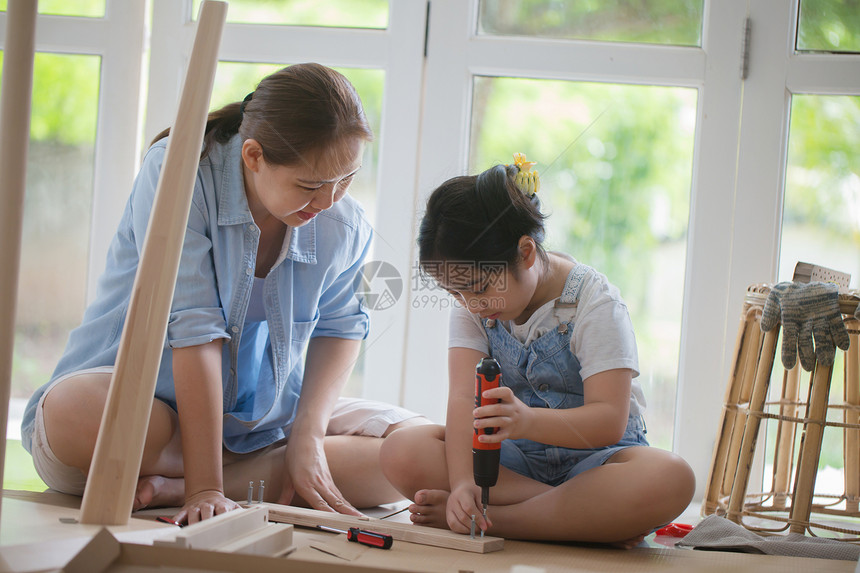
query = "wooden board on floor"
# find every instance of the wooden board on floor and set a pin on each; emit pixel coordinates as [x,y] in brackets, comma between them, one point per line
[33,541]
[399,531]
[104,554]
[246,531]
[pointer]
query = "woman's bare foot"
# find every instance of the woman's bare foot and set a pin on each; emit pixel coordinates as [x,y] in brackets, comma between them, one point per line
[159,491]
[429,508]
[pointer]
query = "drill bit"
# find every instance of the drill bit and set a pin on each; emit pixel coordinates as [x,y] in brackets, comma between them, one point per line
[485,501]
[485,519]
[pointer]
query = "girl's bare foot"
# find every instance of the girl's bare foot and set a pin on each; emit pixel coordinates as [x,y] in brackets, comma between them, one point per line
[429,508]
[159,491]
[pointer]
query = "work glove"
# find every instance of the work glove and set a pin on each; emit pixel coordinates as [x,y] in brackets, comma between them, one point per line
[807,311]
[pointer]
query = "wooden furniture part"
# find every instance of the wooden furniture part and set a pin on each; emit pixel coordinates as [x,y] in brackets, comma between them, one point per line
[104,554]
[245,531]
[792,499]
[19,51]
[110,489]
[399,531]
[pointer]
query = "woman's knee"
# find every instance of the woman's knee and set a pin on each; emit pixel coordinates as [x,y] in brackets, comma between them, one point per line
[408,423]
[72,412]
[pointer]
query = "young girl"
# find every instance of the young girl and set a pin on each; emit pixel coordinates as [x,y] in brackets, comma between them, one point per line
[575,462]
[269,260]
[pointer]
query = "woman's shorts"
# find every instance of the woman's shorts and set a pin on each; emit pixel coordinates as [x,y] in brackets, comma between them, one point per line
[554,465]
[350,417]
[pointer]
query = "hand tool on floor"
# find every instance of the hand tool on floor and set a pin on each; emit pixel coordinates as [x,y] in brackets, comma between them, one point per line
[485,457]
[356,535]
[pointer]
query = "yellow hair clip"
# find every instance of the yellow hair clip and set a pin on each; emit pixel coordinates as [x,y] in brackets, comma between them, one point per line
[526,180]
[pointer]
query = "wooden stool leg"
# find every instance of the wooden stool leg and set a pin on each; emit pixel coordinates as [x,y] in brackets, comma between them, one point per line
[852,416]
[745,346]
[741,417]
[751,428]
[109,494]
[15,100]
[785,433]
[810,449]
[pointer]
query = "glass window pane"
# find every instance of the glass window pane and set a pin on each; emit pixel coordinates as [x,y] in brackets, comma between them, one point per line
[332,13]
[821,216]
[675,22]
[56,232]
[234,80]
[829,26]
[616,169]
[821,223]
[85,8]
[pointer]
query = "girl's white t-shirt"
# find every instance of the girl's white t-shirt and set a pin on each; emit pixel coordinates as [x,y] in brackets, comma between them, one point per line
[602,337]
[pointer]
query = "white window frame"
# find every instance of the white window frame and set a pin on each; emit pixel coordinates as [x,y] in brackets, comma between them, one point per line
[118,38]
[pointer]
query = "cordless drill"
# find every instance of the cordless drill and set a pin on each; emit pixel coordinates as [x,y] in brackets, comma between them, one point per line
[485,457]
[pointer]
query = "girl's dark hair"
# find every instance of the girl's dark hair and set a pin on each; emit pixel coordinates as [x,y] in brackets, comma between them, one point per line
[479,219]
[295,111]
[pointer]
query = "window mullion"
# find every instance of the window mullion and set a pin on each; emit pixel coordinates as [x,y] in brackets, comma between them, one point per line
[118,136]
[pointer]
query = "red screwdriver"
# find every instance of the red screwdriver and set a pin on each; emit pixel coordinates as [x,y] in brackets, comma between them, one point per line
[356,535]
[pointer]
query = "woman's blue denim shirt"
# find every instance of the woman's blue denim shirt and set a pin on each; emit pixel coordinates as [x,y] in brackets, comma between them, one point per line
[308,293]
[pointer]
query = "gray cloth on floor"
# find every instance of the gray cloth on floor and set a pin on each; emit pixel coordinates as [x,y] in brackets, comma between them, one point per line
[720,534]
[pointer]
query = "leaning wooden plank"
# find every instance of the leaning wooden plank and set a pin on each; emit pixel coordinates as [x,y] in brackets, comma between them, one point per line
[399,531]
[19,49]
[219,530]
[113,475]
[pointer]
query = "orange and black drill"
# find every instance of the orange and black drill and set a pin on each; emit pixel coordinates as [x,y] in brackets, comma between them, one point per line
[485,457]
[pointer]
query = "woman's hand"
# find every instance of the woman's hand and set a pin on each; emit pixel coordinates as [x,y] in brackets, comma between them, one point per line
[511,416]
[308,476]
[463,503]
[203,505]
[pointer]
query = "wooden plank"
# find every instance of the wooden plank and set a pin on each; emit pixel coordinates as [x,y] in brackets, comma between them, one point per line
[399,531]
[219,530]
[96,556]
[109,494]
[15,100]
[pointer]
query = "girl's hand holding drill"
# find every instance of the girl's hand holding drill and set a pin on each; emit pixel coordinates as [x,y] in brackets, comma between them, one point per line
[511,416]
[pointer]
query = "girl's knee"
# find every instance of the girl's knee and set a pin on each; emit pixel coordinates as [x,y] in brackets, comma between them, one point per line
[400,455]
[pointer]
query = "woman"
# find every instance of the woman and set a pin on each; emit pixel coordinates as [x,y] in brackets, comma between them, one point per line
[270,256]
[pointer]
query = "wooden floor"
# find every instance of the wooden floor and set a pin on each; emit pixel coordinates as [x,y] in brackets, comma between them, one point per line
[38,533]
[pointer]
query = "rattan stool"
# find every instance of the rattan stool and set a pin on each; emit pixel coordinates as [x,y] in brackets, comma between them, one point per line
[790,503]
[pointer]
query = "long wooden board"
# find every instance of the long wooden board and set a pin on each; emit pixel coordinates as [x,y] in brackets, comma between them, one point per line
[109,494]
[400,531]
[15,101]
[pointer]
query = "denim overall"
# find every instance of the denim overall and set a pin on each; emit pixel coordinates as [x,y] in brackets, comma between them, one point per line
[545,374]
